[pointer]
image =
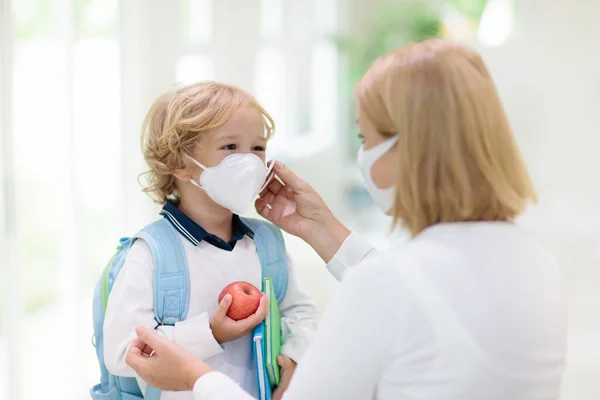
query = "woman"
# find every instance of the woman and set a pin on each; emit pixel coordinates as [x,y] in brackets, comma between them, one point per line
[471,307]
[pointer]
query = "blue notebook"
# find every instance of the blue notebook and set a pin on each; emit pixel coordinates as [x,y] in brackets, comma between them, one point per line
[258,348]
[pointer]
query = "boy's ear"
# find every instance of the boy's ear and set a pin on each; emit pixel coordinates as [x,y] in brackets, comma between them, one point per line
[184,174]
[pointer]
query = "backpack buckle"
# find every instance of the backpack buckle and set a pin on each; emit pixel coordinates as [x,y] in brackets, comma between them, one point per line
[176,316]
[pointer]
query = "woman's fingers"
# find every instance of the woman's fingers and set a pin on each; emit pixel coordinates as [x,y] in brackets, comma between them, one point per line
[288,177]
[150,338]
[136,358]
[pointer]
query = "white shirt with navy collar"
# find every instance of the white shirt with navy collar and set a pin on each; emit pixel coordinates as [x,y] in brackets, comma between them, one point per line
[213,264]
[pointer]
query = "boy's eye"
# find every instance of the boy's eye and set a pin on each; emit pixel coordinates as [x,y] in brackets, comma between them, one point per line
[229,147]
[258,148]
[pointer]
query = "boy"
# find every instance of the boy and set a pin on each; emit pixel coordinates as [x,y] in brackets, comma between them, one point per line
[205,146]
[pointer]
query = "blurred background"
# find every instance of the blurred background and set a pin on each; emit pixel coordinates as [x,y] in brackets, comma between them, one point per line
[77,77]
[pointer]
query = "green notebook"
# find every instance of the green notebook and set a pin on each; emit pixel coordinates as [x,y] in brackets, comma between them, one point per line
[273,333]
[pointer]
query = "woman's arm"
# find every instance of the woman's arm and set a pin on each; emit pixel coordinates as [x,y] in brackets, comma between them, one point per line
[345,361]
[352,252]
[351,347]
[293,205]
[353,340]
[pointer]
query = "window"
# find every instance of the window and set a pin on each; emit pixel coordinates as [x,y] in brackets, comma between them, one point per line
[65,146]
[497,22]
[489,21]
[82,75]
[198,17]
[196,64]
[270,84]
[193,68]
[296,75]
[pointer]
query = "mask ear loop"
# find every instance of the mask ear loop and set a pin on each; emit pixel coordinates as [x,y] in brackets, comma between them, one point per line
[270,176]
[192,181]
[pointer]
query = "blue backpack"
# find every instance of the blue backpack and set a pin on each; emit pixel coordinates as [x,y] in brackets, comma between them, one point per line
[171,290]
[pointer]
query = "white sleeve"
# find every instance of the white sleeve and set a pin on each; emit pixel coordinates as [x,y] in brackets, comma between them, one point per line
[298,318]
[352,345]
[218,386]
[131,304]
[351,252]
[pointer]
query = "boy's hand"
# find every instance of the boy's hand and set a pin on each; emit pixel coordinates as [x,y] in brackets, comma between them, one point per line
[288,366]
[225,329]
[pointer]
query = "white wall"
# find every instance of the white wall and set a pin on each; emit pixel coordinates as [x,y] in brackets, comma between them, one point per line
[548,77]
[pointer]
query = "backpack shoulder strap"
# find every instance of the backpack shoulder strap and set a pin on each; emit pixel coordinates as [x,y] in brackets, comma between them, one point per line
[171,277]
[270,246]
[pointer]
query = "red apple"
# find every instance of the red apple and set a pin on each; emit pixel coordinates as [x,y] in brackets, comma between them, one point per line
[245,299]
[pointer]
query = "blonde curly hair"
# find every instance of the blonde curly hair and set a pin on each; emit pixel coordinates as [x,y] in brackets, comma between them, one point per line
[173,127]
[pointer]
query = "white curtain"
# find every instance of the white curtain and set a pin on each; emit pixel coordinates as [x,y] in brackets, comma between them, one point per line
[77,79]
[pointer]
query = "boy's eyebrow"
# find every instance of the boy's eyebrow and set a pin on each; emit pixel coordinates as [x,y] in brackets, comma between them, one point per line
[229,137]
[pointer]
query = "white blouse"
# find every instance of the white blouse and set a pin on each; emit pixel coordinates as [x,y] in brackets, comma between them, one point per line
[463,311]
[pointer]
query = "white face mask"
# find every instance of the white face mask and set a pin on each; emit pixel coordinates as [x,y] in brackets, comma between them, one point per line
[235,182]
[366,158]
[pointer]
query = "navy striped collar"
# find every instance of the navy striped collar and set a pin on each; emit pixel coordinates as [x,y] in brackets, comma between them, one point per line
[196,234]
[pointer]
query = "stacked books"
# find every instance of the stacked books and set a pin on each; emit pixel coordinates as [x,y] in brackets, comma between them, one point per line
[267,345]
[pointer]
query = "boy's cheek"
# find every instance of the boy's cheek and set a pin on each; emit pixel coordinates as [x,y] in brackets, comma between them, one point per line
[214,158]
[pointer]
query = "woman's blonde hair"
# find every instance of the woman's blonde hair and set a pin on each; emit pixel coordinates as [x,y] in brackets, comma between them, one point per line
[174,124]
[457,158]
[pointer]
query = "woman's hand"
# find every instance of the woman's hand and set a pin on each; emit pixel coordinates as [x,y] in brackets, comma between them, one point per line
[225,329]
[288,366]
[293,205]
[164,364]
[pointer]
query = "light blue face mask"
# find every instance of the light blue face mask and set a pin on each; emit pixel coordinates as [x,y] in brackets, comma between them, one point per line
[365,159]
